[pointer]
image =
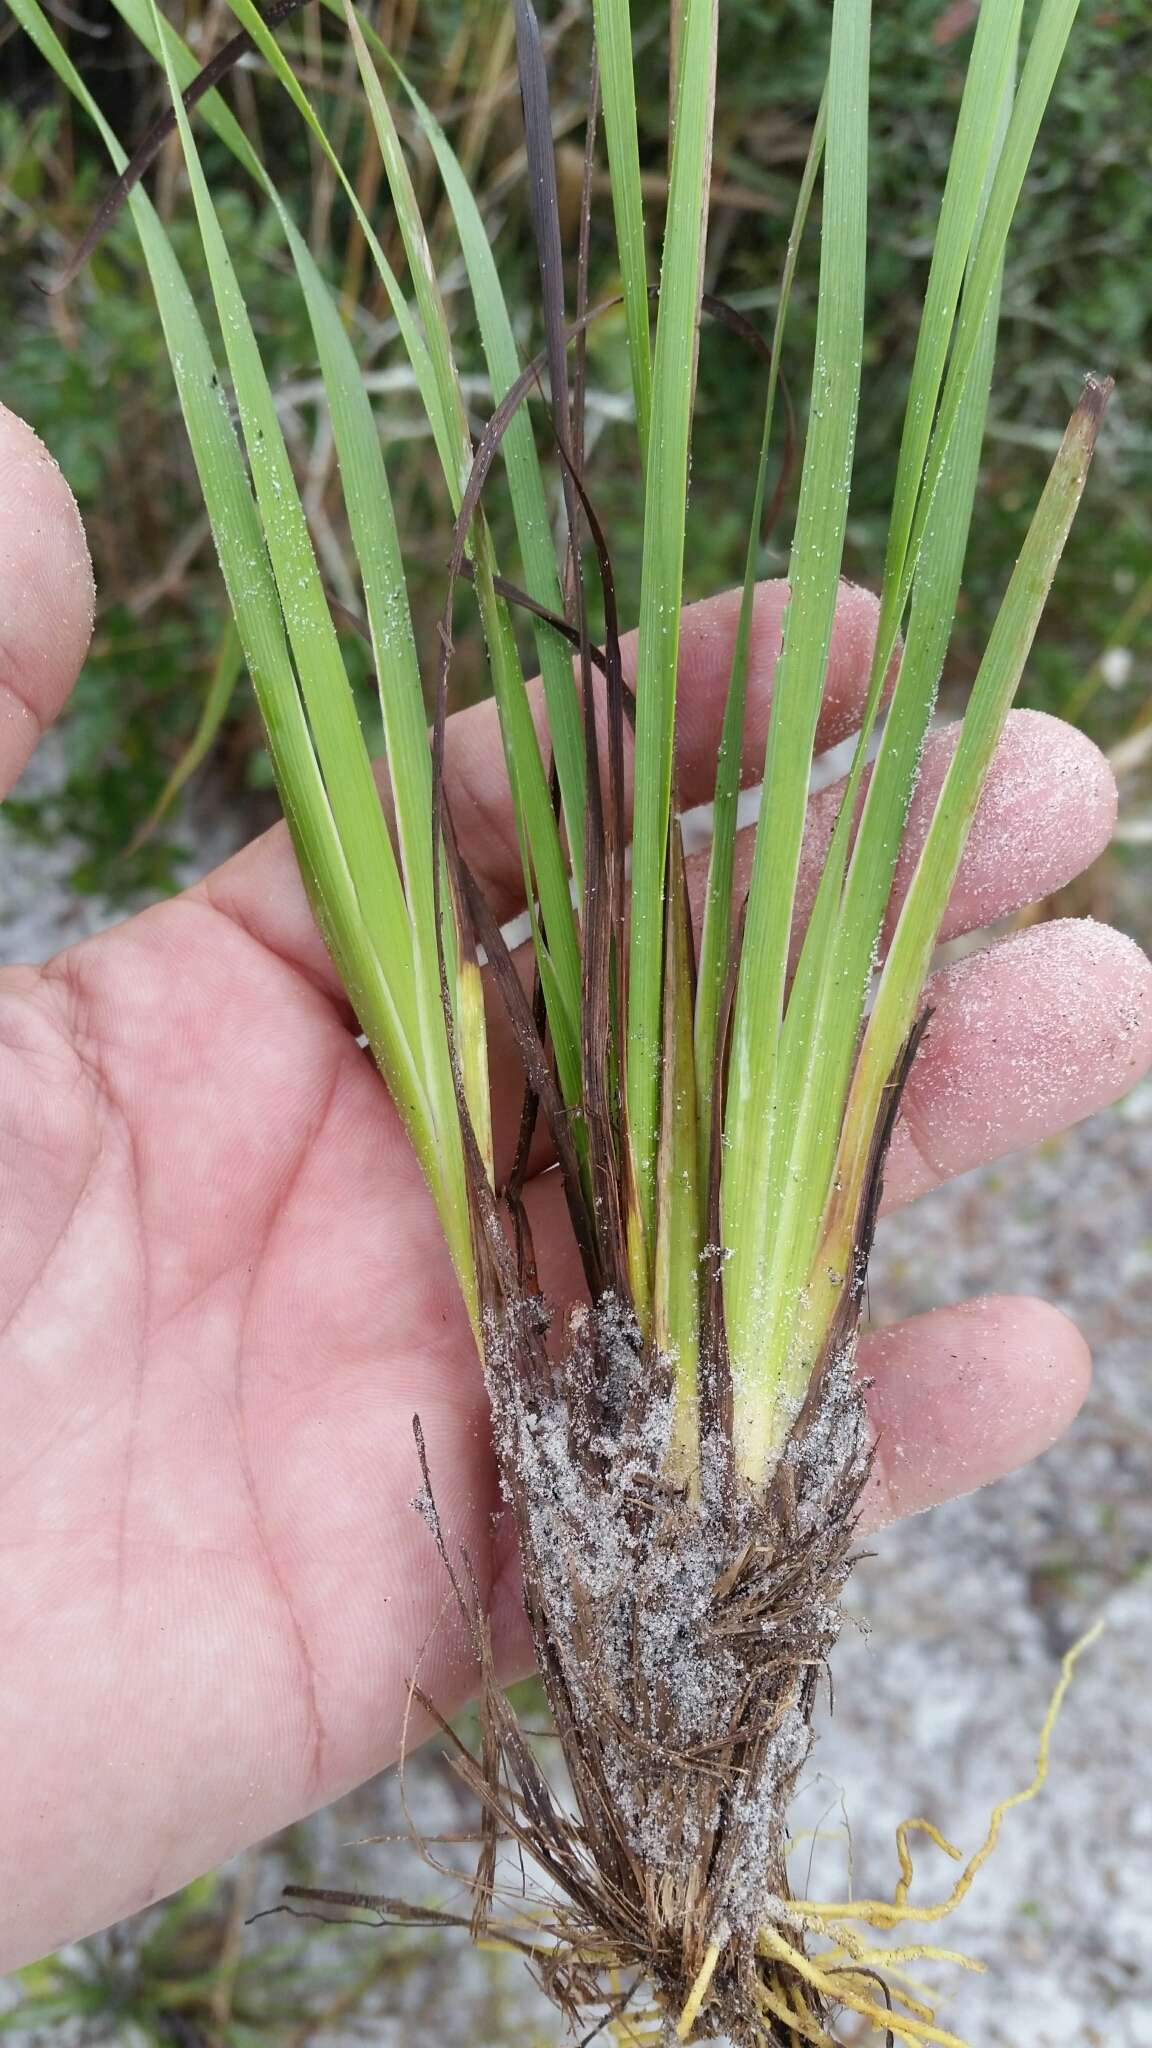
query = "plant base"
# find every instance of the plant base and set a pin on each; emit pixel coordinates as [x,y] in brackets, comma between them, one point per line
[682,1633]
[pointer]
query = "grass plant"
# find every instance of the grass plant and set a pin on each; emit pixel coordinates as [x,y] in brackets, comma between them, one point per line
[684,1453]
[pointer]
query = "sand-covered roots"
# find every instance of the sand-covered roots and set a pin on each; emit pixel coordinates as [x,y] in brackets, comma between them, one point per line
[809,1964]
[682,1632]
[682,1627]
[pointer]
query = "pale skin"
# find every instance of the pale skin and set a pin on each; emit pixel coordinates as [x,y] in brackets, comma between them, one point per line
[223,1293]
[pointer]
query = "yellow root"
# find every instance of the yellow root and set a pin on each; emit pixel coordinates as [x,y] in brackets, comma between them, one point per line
[639,2026]
[698,1993]
[794,2015]
[891,1912]
[850,1985]
[850,1969]
[843,1988]
[628,2036]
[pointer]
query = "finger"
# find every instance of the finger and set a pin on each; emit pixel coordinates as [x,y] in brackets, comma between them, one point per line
[964,1395]
[1026,1039]
[46,594]
[474,762]
[259,887]
[1047,811]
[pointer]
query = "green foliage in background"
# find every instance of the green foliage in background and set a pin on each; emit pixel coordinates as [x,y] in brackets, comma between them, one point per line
[1075,295]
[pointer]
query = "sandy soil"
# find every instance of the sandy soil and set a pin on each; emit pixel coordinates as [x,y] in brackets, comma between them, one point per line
[970,1609]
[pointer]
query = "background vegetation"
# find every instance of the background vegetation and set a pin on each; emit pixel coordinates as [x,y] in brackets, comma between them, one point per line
[89,366]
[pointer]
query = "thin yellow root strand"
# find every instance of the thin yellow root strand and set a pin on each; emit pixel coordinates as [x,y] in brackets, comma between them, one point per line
[798,2003]
[920,1952]
[698,1993]
[840,1990]
[881,1913]
[922,1827]
[847,1943]
[800,2024]
[641,2028]
[626,2035]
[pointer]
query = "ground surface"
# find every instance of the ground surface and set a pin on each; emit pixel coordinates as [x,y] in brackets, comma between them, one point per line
[971,1608]
[939,1698]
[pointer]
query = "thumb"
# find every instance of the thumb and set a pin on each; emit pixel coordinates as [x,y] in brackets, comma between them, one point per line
[46,594]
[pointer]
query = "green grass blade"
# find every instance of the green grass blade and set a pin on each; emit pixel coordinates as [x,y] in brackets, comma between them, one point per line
[525,479]
[679,1236]
[327,693]
[899,993]
[983,185]
[818,1039]
[973,231]
[376,542]
[661,591]
[716,935]
[993,139]
[546,870]
[449,399]
[613,23]
[1038,76]
[826,1003]
[430,354]
[213,108]
[814,572]
[975,149]
[823,1023]
[371,946]
[375,538]
[441,403]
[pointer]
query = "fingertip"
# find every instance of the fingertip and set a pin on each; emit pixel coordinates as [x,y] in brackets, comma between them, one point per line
[1047,810]
[47,592]
[1078,774]
[850,654]
[963,1395]
[850,657]
[707,633]
[1027,1038]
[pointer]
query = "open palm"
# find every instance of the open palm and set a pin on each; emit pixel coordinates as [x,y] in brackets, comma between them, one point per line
[223,1292]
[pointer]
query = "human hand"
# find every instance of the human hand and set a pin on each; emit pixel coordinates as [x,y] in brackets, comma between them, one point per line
[224,1294]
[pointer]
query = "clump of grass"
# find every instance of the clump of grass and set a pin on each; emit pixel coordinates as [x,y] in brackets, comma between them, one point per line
[685,1452]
